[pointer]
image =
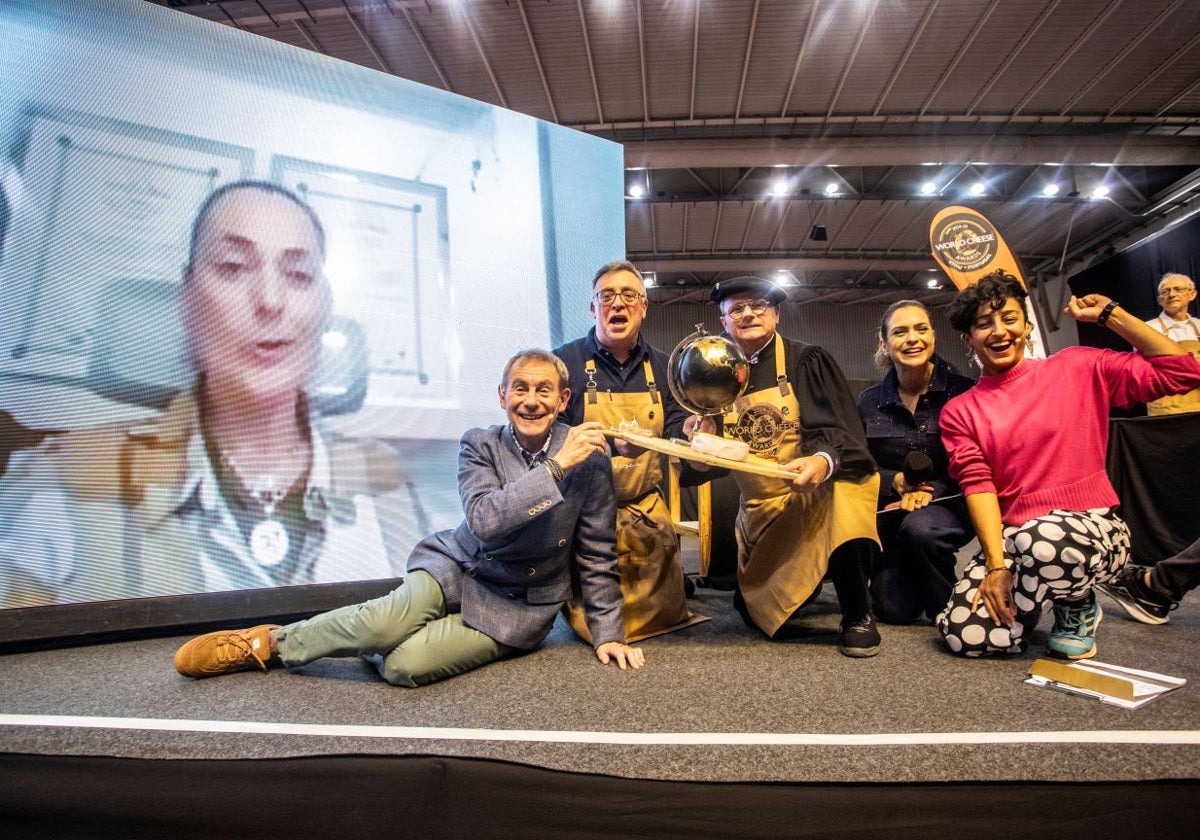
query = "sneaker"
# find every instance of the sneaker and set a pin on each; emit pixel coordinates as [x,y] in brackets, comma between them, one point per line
[1074,633]
[1142,603]
[226,651]
[860,638]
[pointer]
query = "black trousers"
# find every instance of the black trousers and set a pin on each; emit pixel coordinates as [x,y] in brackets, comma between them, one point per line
[1178,575]
[850,570]
[914,574]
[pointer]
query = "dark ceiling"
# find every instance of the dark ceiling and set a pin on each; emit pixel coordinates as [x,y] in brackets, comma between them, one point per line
[737,115]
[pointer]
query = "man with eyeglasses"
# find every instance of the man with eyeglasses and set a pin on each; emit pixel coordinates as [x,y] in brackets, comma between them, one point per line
[799,412]
[619,379]
[1175,293]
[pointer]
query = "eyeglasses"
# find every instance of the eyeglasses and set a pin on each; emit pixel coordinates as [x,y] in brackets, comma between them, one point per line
[628,296]
[1182,290]
[756,307]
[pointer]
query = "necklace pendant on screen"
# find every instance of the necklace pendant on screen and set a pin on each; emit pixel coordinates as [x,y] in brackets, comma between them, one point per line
[269,542]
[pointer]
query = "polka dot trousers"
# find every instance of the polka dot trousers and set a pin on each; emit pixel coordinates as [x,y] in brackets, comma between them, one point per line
[1060,555]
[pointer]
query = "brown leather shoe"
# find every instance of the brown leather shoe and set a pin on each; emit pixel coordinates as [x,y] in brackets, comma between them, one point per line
[226,651]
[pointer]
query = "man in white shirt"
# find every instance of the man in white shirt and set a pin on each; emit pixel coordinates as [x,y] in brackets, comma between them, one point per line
[1175,294]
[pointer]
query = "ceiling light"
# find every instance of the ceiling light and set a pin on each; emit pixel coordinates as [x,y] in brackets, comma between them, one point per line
[933,283]
[1100,191]
[928,188]
[832,188]
[818,234]
[780,187]
[978,188]
[636,191]
[1050,189]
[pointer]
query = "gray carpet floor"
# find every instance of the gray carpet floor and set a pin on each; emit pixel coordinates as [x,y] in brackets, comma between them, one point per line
[716,702]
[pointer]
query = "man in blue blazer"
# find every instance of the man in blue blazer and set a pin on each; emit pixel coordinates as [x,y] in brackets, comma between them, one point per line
[538,496]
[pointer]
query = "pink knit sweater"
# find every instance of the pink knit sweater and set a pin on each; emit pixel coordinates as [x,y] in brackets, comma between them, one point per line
[1037,435]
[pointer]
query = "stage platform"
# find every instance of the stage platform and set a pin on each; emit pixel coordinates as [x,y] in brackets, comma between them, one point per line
[721,722]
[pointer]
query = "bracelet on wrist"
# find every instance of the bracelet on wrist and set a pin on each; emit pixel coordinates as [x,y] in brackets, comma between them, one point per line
[995,569]
[556,471]
[1106,312]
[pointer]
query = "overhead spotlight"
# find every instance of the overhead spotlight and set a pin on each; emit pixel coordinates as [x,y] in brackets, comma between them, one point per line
[649,278]
[832,188]
[933,283]
[1100,191]
[1050,189]
[978,188]
[636,191]
[780,187]
[928,188]
[818,234]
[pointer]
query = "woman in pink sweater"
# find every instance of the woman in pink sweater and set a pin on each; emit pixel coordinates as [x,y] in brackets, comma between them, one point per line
[1027,445]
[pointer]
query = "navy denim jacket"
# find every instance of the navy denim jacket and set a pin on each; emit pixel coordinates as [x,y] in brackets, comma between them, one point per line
[892,431]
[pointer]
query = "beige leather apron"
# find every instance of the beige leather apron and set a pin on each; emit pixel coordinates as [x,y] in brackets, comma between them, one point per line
[1179,403]
[785,538]
[647,547]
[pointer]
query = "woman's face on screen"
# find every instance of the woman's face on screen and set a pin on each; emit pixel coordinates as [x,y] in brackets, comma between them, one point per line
[256,299]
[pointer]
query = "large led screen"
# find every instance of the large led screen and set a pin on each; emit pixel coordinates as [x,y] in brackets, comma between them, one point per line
[269,393]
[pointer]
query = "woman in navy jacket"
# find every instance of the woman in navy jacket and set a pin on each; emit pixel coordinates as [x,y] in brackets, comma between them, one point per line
[920,528]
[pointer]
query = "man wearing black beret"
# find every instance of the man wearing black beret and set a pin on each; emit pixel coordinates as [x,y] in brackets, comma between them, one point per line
[798,411]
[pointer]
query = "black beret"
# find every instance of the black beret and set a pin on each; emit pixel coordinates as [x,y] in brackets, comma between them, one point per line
[770,292]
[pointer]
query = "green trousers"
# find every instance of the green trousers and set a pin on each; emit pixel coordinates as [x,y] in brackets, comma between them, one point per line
[407,634]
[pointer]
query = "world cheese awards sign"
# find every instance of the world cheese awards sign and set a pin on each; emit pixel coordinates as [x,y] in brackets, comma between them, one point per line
[967,246]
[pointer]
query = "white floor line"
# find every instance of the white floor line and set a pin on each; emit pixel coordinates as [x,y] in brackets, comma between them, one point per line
[1114,736]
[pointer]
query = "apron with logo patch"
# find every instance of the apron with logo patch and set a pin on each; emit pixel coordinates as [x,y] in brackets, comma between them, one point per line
[1179,403]
[647,548]
[785,538]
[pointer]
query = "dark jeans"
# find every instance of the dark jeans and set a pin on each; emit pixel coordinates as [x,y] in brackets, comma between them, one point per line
[1178,575]
[915,572]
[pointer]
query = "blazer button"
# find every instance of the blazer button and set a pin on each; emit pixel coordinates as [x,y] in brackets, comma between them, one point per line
[470,573]
[512,596]
[533,511]
[561,543]
[530,572]
[488,557]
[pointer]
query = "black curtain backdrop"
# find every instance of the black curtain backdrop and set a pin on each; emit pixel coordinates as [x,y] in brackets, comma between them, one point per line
[1131,278]
[1150,459]
[1152,464]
